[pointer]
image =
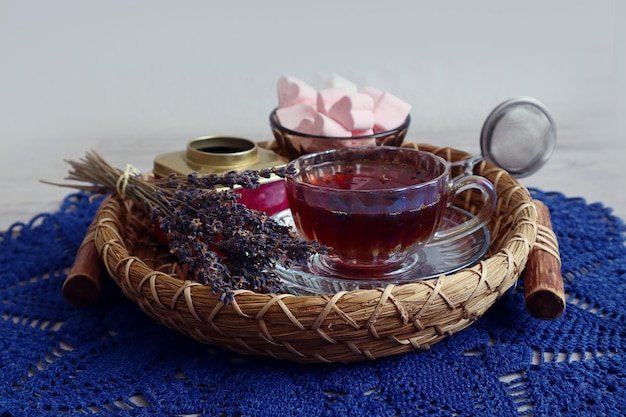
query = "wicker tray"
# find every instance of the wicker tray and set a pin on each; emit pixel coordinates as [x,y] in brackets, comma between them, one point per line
[343,327]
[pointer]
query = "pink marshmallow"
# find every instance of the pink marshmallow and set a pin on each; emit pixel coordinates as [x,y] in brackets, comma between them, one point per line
[303,144]
[306,126]
[326,126]
[354,112]
[365,132]
[354,143]
[292,116]
[390,112]
[292,90]
[328,97]
[312,145]
[308,145]
[374,93]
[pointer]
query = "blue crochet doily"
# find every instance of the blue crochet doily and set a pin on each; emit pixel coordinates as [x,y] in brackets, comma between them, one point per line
[111,359]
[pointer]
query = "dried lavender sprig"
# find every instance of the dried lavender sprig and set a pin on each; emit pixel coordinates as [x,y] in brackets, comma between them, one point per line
[226,245]
[247,243]
[102,178]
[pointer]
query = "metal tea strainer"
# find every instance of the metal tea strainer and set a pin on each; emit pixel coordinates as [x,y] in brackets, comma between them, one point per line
[519,136]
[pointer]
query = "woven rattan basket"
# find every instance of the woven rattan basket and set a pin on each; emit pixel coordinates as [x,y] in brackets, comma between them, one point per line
[343,327]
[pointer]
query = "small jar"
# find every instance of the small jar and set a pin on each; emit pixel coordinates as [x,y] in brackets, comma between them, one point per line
[220,154]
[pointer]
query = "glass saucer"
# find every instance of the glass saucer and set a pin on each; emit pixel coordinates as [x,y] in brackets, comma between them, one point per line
[439,258]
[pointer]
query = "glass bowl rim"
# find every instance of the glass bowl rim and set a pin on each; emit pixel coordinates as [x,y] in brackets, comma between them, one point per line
[275,123]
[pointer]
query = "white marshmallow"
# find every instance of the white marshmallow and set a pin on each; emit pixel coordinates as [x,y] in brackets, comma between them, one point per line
[339,81]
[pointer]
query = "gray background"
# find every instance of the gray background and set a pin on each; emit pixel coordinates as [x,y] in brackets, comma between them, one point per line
[133,79]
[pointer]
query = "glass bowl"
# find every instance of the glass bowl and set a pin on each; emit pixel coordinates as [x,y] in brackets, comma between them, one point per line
[292,144]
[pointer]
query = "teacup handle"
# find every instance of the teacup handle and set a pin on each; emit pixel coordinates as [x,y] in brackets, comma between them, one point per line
[457,186]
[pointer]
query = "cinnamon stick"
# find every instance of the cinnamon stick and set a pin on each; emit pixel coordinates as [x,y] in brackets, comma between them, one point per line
[82,285]
[544,295]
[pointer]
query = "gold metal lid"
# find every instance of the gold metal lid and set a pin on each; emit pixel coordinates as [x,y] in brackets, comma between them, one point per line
[216,155]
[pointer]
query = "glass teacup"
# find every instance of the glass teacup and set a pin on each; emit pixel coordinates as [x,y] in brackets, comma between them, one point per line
[374,207]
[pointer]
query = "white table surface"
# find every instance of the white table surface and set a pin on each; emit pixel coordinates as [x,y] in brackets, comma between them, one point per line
[134,79]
